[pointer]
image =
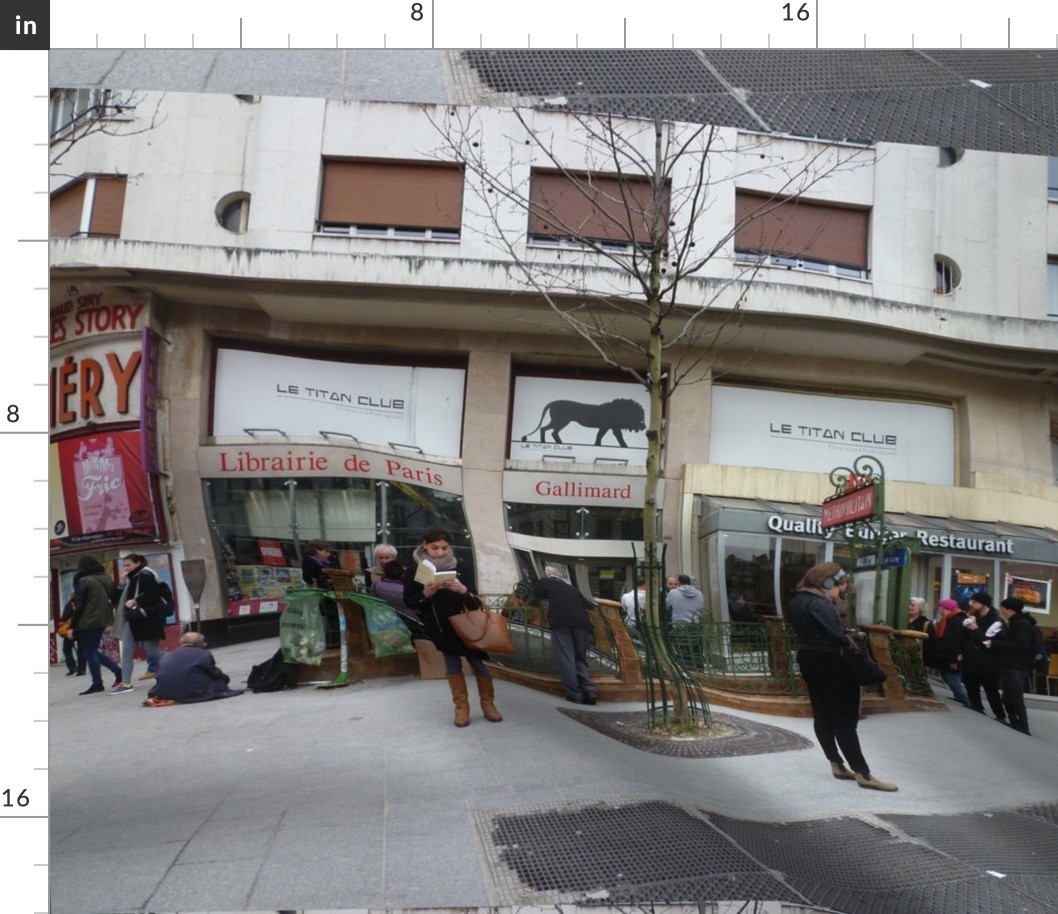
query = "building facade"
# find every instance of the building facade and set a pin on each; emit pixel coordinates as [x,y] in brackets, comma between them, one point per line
[280,317]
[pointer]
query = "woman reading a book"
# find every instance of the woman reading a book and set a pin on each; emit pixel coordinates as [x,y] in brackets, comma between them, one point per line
[438,586]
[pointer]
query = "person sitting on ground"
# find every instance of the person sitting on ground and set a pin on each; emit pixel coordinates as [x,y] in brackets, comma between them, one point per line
[190,674]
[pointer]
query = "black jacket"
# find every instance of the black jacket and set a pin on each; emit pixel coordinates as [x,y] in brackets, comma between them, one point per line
[1013,646]
[817,624]
[147,618]
[436,610]
[976,658]
[567,607]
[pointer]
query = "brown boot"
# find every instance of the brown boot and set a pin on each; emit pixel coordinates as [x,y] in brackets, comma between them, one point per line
[872,783]
[841,772]
[487,693]
[460,698]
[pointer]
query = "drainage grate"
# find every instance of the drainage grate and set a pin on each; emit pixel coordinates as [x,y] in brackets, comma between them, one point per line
[743,737]
[1004,842]
[619,850]
[643,849]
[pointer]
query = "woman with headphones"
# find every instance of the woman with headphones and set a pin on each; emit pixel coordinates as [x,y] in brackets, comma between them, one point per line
[832,689]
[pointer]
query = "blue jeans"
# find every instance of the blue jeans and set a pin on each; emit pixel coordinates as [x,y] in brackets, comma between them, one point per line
[953,680]
[88,640]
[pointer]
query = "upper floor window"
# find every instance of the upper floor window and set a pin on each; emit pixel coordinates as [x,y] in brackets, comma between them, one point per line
[391,199]
[70,106]
[89,206]
[1052,288]
[800,234]
[1052,177]
[946,275]
[584,208]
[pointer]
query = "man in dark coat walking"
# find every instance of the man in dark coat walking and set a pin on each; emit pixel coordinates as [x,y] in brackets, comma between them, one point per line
[571,634]
[1014,647]
[980,667]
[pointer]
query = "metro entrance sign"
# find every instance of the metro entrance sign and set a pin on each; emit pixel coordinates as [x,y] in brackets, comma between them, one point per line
[839,510]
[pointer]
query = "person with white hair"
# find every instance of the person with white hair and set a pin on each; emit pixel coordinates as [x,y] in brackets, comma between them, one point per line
[571,634]
[383,553]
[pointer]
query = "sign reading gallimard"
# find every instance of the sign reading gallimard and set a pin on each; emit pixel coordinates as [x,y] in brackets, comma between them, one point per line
[783,430]
[389,405]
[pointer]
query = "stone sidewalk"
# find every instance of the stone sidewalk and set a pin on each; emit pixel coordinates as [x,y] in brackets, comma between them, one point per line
[366,797]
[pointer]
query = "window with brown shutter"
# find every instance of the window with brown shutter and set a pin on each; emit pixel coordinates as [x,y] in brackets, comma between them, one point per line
[66,207]
[390,198]
[108,205]
[107,194]
[796,232]
[590,207]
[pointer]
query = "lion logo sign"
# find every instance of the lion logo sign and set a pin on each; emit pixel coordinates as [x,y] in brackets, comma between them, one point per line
[615,416]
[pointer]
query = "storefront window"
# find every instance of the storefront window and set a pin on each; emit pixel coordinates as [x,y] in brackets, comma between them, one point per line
[262,524]
[797,557]
[749,569]
[1034,585]
[572,522]
[969,576]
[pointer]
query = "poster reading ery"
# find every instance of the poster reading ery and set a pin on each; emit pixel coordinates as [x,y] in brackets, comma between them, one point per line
[387,405]
[812,433]
[564,420]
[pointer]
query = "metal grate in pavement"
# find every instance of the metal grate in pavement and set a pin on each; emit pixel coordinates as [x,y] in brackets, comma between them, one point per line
[1001,841]
[745,737]
[643,849]
[627,849]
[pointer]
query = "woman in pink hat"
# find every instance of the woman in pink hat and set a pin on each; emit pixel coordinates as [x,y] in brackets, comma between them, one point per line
[947,635]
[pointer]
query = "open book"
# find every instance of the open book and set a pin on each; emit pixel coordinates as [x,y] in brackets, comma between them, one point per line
[426,573]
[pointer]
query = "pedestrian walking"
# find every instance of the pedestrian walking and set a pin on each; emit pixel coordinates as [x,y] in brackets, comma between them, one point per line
[93,594]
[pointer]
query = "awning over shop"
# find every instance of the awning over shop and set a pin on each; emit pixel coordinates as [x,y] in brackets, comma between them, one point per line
[937,534]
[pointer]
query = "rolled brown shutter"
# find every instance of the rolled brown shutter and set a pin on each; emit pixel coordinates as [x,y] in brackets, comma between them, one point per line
[108,205]
[66,207]
[392,194]
[592,207]
[799,228]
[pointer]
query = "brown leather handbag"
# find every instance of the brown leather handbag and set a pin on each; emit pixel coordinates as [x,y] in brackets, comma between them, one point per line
[483,630]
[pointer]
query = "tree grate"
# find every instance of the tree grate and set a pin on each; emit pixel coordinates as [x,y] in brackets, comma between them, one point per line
[744,737]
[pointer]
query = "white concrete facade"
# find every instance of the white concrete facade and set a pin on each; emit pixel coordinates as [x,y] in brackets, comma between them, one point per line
[987,349]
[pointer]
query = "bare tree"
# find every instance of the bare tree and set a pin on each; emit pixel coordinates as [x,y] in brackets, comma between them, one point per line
[625,229]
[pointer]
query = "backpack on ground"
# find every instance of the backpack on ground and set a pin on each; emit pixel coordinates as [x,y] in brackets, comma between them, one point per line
[273,675]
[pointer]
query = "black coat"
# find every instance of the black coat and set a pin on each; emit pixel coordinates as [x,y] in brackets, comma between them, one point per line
[435,611]
[817,623]
[567,607]
[976,658]
[147,618]
[1013,646]
[947,647]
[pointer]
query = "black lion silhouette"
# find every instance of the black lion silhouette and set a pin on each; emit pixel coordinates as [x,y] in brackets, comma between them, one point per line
[615,416]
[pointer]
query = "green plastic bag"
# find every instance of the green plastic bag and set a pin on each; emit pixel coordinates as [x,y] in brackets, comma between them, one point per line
[389,636]
[301,632]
